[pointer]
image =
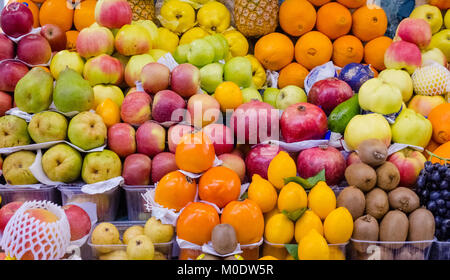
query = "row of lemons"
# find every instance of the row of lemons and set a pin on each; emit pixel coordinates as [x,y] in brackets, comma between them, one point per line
[320,224]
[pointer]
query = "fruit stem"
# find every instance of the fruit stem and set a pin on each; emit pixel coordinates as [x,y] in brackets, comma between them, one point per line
[446,160]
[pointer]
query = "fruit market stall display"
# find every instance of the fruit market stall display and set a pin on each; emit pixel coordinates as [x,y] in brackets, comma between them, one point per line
[226,129]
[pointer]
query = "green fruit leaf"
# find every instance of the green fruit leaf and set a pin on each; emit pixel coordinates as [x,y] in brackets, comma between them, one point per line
[295,215]
[309,183]
[292,250]
[244,196]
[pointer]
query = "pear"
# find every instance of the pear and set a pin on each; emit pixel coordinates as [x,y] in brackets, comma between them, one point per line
[16,168]
[13,131]
[158,232]
[72,92]
[105,234]
[140,248]
[33,93]
[132,232]
[119,255]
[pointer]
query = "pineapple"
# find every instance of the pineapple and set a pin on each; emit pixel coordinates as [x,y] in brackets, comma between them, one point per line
[255,18]
[142,9]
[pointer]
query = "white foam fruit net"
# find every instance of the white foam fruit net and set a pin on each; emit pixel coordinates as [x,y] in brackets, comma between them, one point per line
[431,80]
[25,236]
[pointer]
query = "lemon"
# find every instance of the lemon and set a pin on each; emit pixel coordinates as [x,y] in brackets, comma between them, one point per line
[280,167]
[267,258]
[313,247]
[289,257]
[177,16]
[308,221]
[167,40]
[321,200]
[229,96]
[263,193]
[269,214]
[238,43]
[336,253]
[214,17]
[292,197]
[279,229]
[338,226]
[192,34]
[259,74]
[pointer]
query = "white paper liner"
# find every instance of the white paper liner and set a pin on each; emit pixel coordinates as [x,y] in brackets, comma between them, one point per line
[103,186]
[165,215]
[67,114]
[217,162]
[38,172]
[168,61]
[272,79]
[23,233]
[321,72]
[297,146]
[208,249]
[33,186]
[33,31]
[395,147]
[46,145]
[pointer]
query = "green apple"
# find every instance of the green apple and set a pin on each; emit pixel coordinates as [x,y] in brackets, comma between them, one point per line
[441,40]
[200,53]
[33,93]
[100,166]
[62,163]
[219,50]
[249,94]
[224,42]
[101,92]
[87,130]
[430,13]
[400,79]
[211,76]
[406,126]
[47,126]
[13,131]
[270,96]
[239,70]
[180,54]
[290,95]
[64,59]
[16,168]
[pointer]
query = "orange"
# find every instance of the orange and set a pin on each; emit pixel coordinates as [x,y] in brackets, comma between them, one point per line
[352,4]
[432,146]
[33,8]
[318,2]
[72,36]
[374,52]
[274,51]
[440,120]
[313,49]
[196,222]
[441,4]
[219,185]
[292,74]
[369,22]
[109,111]
[195,153]
[442,151]
[84,15]
[334,20]
[247,220]
[347,49]
[175,190]
[229,96]
[297,16]
[57,12]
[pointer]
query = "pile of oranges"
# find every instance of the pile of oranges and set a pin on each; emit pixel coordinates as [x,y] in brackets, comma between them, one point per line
[318,31]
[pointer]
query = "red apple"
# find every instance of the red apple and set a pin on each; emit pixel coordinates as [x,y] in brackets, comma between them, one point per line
[221,136]
[162,164]
[235,163]
[34,49]
[113,13]
[122,139]
[16,19]
[409,163]
[185,80]
[7,211]
[168,106]
[150,138]
[155,77]
[203,109]
[303,121]
[353,158]
[136,108]
[258,159]
[416,31]
[79,221]
[6,101]
[254,122]
[137,169]
[11,71]
[329,93]
[6,47]
[424,104]
[312,161]
[175,133]
[55,36]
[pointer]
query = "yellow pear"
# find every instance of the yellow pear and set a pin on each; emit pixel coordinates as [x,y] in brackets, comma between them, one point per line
[158,232]
[140,248]
[132,232]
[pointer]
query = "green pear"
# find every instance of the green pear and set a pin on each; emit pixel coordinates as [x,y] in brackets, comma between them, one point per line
[100,166]
[211,76]
[249,94]
[219,51]
[239,70]
[33,93]
[47,126]
[224,42]
[270,96]
[13,132]
[16,168]
[87,130]
[62,163]
[72,92]
[180,54]
[200,53]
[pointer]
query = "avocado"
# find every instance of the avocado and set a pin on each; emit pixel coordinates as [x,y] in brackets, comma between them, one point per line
[343,113]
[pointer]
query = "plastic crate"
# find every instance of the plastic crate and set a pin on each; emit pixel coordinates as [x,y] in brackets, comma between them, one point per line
[440,250]
[135,203]
[16,193]
[280,252]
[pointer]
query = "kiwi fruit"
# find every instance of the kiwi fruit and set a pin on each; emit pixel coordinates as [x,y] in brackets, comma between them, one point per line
[361,176]
[223,239]
[353,199]
[403,199]
[421,227]
[365,228]
[394,227]
[372,152]
[377,203]
[408,253]
[388,176]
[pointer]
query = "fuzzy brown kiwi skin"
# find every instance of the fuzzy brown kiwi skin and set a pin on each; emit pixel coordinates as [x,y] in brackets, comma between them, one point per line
[421,227]
[372,152]
[365,228]
[361,176]
[394,227]
[223,239]
[388,176]
[377,203]
[353,199]
[403,199]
